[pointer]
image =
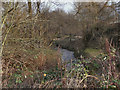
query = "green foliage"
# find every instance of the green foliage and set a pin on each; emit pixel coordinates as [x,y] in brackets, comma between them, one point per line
[53,74]
[99,66]
[77,71]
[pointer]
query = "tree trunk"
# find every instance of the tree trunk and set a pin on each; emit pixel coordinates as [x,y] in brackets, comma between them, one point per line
[38,7]
[29,7]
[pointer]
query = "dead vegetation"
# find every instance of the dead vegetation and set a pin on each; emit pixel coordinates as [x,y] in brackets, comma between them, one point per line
[29,59]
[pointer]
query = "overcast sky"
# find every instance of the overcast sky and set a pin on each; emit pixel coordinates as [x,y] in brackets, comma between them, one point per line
[68,4]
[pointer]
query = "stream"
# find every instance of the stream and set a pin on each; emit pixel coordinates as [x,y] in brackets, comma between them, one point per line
[67,55]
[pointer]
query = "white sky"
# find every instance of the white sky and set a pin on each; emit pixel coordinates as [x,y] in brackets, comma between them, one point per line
[67,3]
[60,0]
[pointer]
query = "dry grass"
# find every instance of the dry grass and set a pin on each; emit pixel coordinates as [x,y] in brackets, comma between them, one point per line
[24,60]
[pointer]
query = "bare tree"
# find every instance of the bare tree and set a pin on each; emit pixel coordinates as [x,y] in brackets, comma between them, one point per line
[30,7]
[95,18]
[38,6]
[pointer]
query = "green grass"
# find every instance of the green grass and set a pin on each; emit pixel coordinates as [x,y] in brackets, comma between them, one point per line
[92,52]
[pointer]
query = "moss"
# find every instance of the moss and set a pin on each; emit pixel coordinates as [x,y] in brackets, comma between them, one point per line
[92,52]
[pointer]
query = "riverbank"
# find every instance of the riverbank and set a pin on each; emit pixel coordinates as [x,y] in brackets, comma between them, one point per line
[77,46]
[74,45]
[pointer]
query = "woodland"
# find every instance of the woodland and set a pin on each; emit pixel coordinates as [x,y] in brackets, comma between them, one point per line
[32,35]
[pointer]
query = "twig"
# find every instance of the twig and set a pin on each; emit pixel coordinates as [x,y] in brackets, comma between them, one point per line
[87,77]
[47,83]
